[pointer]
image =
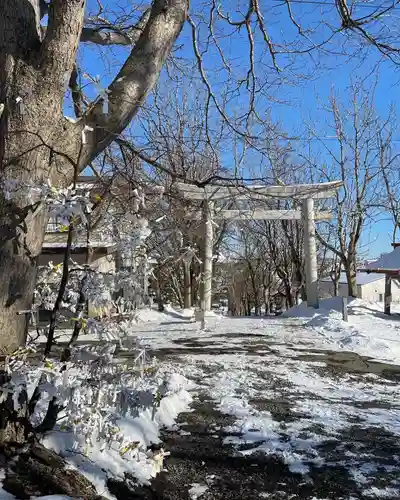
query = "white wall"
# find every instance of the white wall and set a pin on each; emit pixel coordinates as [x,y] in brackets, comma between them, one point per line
[373,291]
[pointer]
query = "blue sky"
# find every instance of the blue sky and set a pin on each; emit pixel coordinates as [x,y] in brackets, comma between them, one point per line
[286,98]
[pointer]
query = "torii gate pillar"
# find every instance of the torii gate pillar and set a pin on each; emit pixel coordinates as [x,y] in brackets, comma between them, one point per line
[310,253]
[208,208]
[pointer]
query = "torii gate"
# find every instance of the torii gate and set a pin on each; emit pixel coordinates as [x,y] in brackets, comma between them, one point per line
[307,193]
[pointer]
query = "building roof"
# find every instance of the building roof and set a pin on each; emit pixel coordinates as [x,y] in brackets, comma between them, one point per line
[387,260]
[361,278]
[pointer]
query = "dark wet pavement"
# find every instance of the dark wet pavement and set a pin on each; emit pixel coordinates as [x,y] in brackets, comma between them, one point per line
[359,460]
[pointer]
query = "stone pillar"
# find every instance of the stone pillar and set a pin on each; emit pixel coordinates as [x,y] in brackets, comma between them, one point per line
[310,252]
[208,255]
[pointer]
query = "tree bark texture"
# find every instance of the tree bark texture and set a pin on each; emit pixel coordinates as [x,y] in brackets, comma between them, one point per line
[350,266]
[38,143]
[37,471]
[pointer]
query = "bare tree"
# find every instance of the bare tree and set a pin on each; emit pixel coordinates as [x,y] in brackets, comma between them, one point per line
[389,168]
[352,156]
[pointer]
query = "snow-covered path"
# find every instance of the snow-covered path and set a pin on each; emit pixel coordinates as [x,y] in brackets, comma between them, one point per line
[275,417]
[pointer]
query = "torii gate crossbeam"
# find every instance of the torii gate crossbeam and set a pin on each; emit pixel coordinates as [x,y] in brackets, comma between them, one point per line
[304,192]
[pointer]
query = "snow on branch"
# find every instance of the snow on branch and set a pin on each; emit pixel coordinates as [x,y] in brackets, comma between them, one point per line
[91,402]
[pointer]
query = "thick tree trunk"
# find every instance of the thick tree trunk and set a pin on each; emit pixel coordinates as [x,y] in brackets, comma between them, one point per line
[18,265]
[19,243]
[14,422]
[29,123]
[37,143]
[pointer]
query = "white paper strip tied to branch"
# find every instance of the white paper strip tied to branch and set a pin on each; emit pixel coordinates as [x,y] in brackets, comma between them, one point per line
[86,130]
[179,236]
[213,223]
[20,105]
[103,93]
[188,255]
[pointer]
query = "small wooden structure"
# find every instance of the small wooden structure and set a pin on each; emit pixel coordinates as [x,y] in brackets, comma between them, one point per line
[390,274]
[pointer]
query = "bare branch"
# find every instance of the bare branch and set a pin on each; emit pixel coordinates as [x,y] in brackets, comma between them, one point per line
[100,37]
[359,26]
[111,35]
[138,75]
[244,21]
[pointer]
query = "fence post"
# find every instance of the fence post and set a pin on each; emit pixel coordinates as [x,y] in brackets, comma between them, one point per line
[388,293]
[345,314]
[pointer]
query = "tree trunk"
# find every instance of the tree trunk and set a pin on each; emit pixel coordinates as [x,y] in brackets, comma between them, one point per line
[288,293]
[335,287]
[350,267]
[19,245]
[29,124]
[266,298]
[37,143]
[37,471]
[194,284]
[187,285]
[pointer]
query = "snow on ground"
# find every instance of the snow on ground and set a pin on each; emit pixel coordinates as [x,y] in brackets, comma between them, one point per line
[249,367]
[382,492]
[368,332]
[233,386]
[197,490]
[4,495]
[258,369]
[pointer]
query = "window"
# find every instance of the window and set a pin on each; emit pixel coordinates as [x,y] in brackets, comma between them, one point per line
[54,224]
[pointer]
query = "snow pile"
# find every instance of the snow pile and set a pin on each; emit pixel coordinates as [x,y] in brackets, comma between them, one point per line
[368,332]
[108,410]
[181,314]
[131,454]
[333,304]
[152,315]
